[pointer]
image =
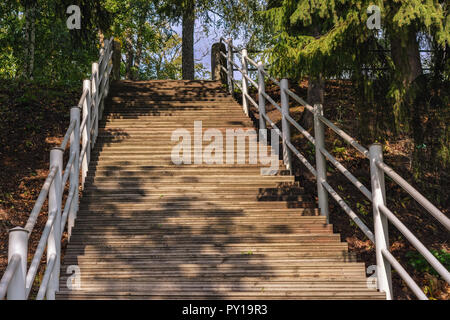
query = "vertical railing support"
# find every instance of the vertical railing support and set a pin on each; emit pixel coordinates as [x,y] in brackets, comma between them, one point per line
[384,278]
[54,208]
[74,172]
[262,100]
[244,81]
[218,62]
[86,136]
[285,124]
[18,246]
[95,99]
[321,164]
[230,56]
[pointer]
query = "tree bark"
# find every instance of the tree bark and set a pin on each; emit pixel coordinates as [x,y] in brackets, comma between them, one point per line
[129,56]
[316,87]
[138,56]
[406,56]
[117,60]
[26,54]
[32,41]
[217,62]
[188,67]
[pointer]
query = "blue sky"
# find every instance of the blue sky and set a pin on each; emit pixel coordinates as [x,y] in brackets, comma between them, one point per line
[203,43]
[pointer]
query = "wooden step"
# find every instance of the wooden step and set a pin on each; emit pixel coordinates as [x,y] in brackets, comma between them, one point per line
[305,214]
[149,229]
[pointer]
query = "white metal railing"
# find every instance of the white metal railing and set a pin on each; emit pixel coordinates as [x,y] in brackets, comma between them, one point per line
[17,281]
[382,215]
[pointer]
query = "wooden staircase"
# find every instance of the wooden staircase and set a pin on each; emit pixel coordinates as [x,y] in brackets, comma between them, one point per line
[150,229]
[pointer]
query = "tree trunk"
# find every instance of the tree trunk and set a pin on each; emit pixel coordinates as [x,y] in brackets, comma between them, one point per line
[129,56]
[26,54]
[32,41]
[316,87]
[137,61]
[138,56]
[406,56]
[188,69]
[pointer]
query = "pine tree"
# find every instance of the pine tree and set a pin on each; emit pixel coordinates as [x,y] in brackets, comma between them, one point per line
[315,39]
[322,39]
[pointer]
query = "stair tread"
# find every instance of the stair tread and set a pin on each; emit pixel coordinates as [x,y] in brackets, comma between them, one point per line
[149,229]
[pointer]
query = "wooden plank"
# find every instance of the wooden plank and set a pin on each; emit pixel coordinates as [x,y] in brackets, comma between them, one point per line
[148,229]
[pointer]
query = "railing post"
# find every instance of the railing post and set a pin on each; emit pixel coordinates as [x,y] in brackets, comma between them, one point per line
[218,62]
[86,136]
[285,124]
[18,245]
[95,96]
[262,100]
[230,56]
[384,278]
[321,164]
[244,81]
[74,172]
[54,208]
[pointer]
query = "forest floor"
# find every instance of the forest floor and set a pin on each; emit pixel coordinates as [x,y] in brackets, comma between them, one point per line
[34,117]
[340,108]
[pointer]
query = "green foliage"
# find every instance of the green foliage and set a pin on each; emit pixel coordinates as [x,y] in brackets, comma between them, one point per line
[362,209]
[395,97]
[150,45]
[312,37]
[418,262]
[57,56]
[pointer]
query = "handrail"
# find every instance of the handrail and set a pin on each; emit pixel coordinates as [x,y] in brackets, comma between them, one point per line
[35,262]
[46,279]
[299,100]
[251,61]
[83,125]
[40,200]
[67,169]
[349,211]
[347,174]
[251,81]
[301,129]
[67,205]
[404,275]
[345,136]
[83,98]
[377,170]
[11,268]
[91,103]
[416,243]
[67,135]
[435,212]
[271,78]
